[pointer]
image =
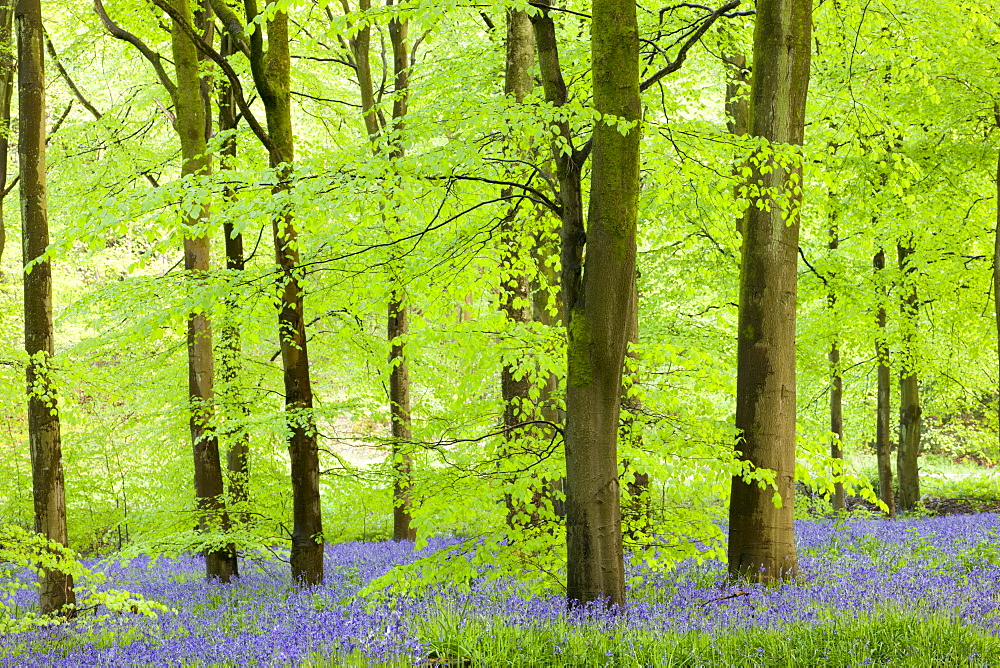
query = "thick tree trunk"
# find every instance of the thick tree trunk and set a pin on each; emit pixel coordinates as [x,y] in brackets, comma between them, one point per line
[761,532]
[836,392]
[238,438]
[56,591]
[883,447]
[909,393]
[271,74]
[208,480]
[598,316]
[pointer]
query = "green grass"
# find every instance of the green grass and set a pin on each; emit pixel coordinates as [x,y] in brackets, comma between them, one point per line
[906,639]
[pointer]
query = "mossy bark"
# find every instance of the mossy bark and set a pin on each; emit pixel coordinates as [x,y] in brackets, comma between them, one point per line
[220,563]
[44,436]
[761,533]
[271,74]
[599,317]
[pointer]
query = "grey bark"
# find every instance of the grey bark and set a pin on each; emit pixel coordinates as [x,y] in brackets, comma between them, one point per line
[761,534]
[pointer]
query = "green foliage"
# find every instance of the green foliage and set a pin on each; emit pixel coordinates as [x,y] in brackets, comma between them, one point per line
[24,554]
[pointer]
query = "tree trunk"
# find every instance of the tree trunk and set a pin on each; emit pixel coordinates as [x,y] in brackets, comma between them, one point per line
[836,391]
[996,258]
[883,448]
[7,67]
[761,532]
[909,393]
[238,454]
[402,434]
[56,591]
[220,563]
[399,376]
[737,109]
[271,74]
[636,513]
[599,314]
[515,300]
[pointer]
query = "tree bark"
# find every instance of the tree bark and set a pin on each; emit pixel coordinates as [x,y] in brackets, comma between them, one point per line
[761,532]
[598,316]
[56,591]
[883,447]
[737,110]
[909,392]
[515,300]
[220,563]
[996,258]
[836,390]
[271,74]
[8,64]
[400,417]
[238,453]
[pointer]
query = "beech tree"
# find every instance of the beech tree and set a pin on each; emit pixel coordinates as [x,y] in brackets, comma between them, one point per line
[44,437]
[761,530]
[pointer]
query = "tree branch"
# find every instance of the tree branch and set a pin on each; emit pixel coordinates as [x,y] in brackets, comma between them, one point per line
[227,69]
[691,41]
[152,56]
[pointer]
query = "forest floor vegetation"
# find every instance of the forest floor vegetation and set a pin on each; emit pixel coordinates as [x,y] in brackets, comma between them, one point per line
[912,592]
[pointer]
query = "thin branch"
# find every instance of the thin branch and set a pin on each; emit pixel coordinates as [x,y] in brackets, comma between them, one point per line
[69,82]
[153,57]
[227,69]
[55,128]
[691,41]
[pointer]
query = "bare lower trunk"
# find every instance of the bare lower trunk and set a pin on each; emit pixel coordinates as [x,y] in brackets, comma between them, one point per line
[402,435]
[996,258]
[599,315]
[636,512]
[909,392]
[761,531]
[836,394]
[44,438]
[883,447]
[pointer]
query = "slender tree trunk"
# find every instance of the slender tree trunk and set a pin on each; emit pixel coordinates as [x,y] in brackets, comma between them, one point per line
[271,75]
[883,447]
[402,434]
[598,316]
[7,67]
[220,563]
[909,393]
[737,109]
[761,533]
[836,391]
[515,301]
[546,277]
[238,454]
[399,378]
[636,513]
[399,375]
[996,257]
[56,591]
